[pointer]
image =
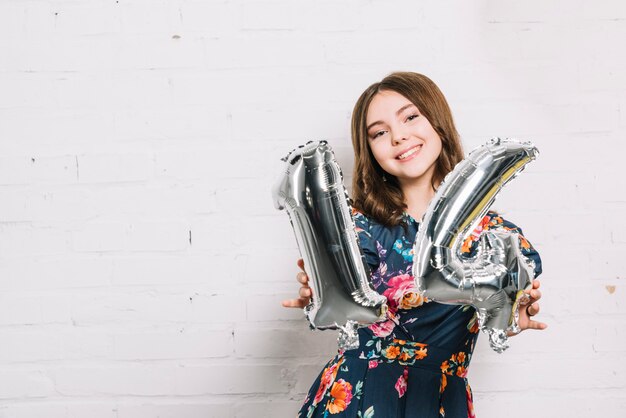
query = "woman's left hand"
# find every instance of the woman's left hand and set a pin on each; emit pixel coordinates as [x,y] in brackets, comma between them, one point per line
[531,309]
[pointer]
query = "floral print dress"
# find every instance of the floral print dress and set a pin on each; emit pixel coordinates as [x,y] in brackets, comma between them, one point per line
[415,363]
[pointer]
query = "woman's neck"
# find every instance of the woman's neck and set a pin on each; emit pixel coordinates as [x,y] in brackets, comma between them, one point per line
[417,196]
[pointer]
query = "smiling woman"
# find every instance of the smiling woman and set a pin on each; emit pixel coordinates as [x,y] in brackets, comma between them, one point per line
[398,137]
[404,111]
[415,362]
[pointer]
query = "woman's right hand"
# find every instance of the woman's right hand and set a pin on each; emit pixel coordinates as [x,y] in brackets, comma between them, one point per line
[305,290]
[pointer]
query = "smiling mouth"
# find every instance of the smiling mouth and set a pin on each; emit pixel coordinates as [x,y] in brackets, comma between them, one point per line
[409,153]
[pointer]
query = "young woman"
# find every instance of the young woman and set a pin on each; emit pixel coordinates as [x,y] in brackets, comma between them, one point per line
[415,363]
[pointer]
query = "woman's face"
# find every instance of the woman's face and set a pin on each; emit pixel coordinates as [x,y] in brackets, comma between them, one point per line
[402,140]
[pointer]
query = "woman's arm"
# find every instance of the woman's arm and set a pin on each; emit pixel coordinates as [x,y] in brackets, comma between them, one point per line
[530,309]
[494,221]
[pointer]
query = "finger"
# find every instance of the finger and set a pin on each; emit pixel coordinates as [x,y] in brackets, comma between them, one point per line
[291,303]
[300,263]
[295,303]
[536,284]
[535,295]
[533,309]
[302,277]
[305,292]
[536,325]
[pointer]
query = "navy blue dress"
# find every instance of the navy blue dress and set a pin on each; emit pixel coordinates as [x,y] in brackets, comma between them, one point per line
[415,363]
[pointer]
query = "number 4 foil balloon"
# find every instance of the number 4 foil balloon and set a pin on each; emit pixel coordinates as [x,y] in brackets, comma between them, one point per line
[311,190]
[494,280]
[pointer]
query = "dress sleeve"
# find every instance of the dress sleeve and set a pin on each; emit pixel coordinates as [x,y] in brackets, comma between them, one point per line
[527,249]
[367,243]
[491,221]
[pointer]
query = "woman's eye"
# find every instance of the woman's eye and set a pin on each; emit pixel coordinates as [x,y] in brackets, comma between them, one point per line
[411,117]
[377,134]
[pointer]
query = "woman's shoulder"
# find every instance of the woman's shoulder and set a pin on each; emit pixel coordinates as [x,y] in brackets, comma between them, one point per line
[364,221]
[358,214]
[493,220]
[361,220]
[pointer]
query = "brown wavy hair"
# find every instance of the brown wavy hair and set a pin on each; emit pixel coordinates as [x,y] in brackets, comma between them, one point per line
[383,200]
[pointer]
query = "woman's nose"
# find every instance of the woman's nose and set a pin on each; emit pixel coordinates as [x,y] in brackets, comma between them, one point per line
[398,137]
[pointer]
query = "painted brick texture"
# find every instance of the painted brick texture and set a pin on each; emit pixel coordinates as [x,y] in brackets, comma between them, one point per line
[142,263]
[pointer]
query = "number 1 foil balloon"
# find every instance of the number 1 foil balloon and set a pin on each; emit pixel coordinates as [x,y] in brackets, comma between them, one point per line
[494,280]
[311,190]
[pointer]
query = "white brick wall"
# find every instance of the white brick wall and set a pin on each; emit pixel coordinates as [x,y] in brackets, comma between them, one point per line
[142,264]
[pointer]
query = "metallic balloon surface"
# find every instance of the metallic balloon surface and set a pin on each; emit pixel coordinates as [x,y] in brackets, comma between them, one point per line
[311,190]
[494,280]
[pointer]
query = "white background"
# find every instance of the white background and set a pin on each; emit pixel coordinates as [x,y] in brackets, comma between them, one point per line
[142,263]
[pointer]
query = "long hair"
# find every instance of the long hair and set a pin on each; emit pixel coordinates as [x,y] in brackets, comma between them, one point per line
[383,200]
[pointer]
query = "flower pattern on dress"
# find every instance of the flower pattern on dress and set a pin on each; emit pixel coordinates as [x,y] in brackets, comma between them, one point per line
[369,413]
[470,401]
[483,225]
[402,293]
[491,221]
[416,338]
[456,365]
[328,378]
[383,329]
[472,325]
[402,351]
[405,248]
[443,383]
[401,383]
[340,396]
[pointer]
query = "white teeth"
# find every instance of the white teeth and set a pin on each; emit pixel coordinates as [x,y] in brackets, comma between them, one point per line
[409,152]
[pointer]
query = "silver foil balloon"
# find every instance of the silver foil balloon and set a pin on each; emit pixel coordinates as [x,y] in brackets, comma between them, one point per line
[494,280]
[311,190]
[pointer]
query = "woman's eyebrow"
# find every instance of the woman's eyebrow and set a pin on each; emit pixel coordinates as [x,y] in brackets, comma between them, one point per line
[378,122]
[402,109]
